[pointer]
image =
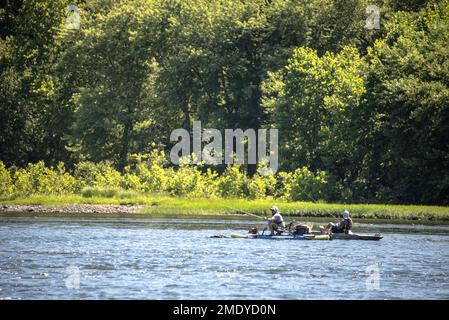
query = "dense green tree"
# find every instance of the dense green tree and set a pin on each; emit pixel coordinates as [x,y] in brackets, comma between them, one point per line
[315,99]
[113,69]
[408,107]
[32,126]
[367,108]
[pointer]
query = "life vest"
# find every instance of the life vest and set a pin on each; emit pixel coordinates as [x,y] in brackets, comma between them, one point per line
[346,225]
[277,218]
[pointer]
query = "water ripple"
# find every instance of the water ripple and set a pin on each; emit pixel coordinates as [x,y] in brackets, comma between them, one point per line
[71,258]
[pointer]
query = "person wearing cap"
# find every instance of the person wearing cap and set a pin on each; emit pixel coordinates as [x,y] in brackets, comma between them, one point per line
[276,222]
[344,226]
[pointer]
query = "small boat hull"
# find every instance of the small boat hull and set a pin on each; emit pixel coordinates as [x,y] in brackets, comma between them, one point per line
[352,236]
[281,237]
[313,236]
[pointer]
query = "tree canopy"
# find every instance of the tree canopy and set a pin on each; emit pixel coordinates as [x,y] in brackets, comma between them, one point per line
[369,107]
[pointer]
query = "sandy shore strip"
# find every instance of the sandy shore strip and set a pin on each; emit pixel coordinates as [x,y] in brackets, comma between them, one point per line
[73,208]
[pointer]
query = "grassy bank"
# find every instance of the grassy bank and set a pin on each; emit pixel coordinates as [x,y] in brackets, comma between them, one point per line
[165,205]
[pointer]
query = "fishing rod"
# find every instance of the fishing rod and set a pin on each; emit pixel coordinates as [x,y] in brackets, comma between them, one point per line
[331,214]
[287,225]
[249,213]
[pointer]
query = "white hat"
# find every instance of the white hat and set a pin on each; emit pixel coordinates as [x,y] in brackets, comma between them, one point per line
[274,208]
[345,214]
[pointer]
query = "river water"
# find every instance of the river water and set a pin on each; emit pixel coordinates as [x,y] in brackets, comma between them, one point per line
[124,258]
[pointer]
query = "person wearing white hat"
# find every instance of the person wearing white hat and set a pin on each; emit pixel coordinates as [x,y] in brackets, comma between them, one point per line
[276,222]
[344,226]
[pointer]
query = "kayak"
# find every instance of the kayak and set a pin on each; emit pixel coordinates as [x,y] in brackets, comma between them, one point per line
[353,236]
[282,237]
[311,236]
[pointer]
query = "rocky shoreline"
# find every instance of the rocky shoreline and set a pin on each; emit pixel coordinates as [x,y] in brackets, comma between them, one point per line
[74,208]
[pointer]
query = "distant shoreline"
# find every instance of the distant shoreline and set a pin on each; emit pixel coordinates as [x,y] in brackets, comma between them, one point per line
[72,208]
[156,206]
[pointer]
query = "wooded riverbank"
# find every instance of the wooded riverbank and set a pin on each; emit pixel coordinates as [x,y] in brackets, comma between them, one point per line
[147,205]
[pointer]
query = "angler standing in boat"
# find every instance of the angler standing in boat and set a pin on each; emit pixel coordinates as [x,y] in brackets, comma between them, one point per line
[276,222]
[344,226]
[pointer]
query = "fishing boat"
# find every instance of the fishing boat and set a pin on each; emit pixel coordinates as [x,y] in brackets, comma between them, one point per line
[353,236]
[302,231]
[282,237]
[311,236]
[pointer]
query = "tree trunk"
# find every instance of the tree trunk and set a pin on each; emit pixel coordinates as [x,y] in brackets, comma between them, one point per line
[123,157]
[186,111]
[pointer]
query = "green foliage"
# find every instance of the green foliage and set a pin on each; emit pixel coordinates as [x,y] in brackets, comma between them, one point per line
[307,186]
[232,183]
[131,181]
[85,173]
[284,184]
[257,188]
[114,105]
[186,181]
[407,108]
[33,122]
[108,177]
[100,174]
[6,186]
[38,179]
[366,107]
[96,192]
[56,181]
[90,192]
[333,24]
[190,180]
[260,186]
[314,105]
[23,184]
[149,168]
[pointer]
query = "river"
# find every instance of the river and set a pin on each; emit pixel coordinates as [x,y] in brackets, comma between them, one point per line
[126,258]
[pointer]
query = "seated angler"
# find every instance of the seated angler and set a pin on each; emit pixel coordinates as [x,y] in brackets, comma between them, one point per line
[276,222]
[344,226]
